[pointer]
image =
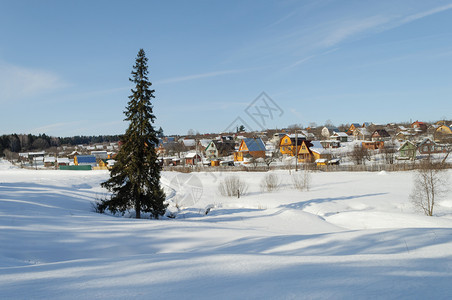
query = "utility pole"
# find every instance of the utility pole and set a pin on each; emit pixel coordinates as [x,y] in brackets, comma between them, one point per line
[296,150]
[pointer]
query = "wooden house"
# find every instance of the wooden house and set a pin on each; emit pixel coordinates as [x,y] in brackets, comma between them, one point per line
[330,144]
[305,154]
[421,126]
[189,144]
[404,136]
[217,149]
[290,144]
[361,134]
[49,161]
[380,135]
[85,160]
[339,136]
[318,151]
[374,145]
[192,159]
[352,128]
[407,151]
[427,146]
[312,151]
[254,147]
[443,134]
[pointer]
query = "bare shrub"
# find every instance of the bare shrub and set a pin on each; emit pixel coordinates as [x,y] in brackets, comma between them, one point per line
[301,180]
[430,184]
[232,186]
[270,183]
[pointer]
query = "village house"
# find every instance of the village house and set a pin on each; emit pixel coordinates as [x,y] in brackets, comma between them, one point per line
[443,133]
[85,160]
[407,151]
[250,148]
[290,144]
[313,152]
[419,126]
[189,144]
[380,135]
[192,158]
[373,145]
[339,136]
[305,154]
[327,131]
[427,146]
[361,134]
[217,149]
[404,136]
[352,128]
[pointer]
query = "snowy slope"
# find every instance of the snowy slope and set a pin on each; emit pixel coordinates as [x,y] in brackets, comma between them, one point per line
[353,235]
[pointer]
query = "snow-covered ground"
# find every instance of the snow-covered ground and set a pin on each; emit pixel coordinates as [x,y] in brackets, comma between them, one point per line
[351,236]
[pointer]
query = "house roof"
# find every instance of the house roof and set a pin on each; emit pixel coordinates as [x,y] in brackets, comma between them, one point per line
[254,144]
[341,134]
[362,131]
[189,142]
[317,147]
[86,159]
[407,144]
[381,132]
[191,155]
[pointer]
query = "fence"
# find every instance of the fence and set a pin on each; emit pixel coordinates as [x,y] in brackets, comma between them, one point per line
[409,166]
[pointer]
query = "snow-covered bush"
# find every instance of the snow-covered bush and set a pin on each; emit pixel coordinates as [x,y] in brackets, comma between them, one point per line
[270,183]
[301,180]
[232,186]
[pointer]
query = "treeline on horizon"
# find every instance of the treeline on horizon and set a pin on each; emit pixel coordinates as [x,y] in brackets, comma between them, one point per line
[28,142]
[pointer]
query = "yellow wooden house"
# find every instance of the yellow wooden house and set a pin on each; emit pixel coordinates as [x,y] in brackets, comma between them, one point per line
[443,133]
[305,154]
[352,128]
[313,152]
[250,148]
[290,144]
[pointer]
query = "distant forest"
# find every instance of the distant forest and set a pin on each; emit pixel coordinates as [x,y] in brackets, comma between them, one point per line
[29,142]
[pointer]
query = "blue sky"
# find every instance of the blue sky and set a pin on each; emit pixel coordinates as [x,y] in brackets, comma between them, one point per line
[64,66]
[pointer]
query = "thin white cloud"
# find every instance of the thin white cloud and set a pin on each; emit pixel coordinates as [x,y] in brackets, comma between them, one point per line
[424,14]
[197,76]
[351,28]
[18,82]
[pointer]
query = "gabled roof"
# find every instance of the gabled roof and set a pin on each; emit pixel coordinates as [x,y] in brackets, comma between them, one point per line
[407,144]
[340,134]
[191,155]
[381,132]
[189,142]
[86,159]
[363,131]
[317,147]
[254,144]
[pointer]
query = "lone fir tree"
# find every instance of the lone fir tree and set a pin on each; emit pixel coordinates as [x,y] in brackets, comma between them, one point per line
[135,177]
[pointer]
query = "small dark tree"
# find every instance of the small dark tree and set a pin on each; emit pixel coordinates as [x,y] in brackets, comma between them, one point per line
[135,177]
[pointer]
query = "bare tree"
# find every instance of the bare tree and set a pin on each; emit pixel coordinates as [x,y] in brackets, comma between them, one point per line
[430,184]
[273,157]
[359,155]
[389,152]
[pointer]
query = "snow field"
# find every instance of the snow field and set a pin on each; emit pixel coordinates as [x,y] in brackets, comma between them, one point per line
[352,235]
